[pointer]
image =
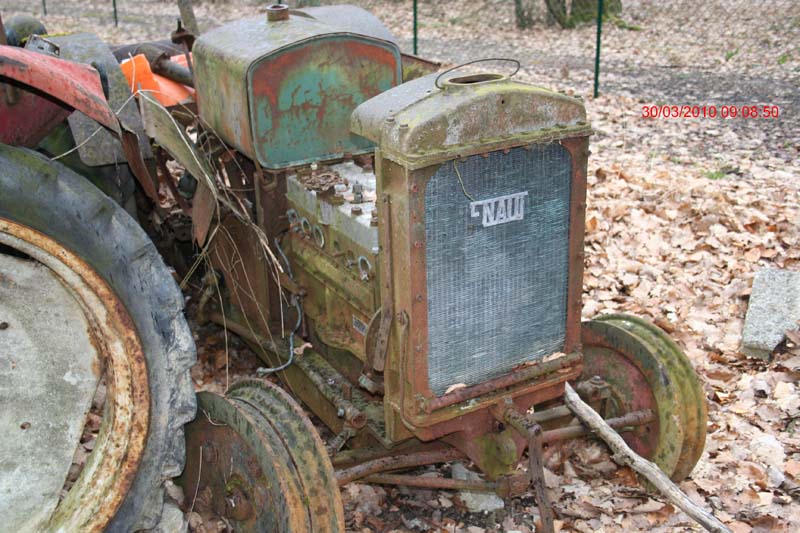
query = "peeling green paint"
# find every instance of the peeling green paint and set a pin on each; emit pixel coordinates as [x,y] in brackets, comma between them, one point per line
[282,92]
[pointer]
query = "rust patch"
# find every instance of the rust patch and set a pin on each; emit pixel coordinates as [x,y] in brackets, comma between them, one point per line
[322,180]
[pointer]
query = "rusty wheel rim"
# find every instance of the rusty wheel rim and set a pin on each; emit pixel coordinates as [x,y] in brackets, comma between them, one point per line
[306,449]
[635,376]
[237,467]
[110,469]
[692,405]
[261,438]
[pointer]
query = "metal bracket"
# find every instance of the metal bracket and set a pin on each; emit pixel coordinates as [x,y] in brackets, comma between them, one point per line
[533,432]
[387,313]
[337,443]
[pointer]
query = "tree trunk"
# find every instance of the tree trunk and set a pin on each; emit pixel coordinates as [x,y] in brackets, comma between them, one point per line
[586,10]
[523,11]
[187,16]
[557,9]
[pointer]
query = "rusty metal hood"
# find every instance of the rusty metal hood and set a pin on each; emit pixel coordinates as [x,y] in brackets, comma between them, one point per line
[419,123]
[350,18]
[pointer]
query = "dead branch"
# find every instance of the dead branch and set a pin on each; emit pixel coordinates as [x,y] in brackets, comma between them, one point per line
[623,455]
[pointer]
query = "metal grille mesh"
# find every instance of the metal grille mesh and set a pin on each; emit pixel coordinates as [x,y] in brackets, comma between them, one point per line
[497,295]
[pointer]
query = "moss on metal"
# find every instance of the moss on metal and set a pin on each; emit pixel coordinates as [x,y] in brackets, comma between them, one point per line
[419,123]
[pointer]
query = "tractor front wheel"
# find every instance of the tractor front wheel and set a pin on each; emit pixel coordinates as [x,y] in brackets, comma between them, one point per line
[255,459]
[645,369]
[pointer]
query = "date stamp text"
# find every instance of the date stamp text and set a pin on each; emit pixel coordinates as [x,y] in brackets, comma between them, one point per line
[761,111]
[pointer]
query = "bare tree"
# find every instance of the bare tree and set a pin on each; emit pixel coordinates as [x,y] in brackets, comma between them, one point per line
[523,11]
[580,11]
[586,10]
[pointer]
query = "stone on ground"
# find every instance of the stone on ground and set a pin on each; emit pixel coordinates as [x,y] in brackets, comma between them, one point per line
[774,308]
[476,502]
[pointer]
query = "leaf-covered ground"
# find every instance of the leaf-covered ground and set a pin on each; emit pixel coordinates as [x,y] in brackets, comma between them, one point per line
[681,215]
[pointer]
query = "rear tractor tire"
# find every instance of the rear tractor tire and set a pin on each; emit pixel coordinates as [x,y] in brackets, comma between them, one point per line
[645,369]
[86,305]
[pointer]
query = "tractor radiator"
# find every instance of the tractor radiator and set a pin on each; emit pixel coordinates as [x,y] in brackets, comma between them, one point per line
[497,262]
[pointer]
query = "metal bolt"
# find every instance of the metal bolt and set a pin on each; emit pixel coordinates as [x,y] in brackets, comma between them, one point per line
[422,403]
[253,467]
[347,391]
[358,193]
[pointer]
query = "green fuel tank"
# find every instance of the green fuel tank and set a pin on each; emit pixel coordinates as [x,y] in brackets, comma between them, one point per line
[280,87]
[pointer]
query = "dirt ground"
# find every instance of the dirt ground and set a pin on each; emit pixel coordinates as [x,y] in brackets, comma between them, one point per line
[681,215]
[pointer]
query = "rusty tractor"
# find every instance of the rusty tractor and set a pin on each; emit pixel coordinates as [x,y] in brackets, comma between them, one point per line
[402,247]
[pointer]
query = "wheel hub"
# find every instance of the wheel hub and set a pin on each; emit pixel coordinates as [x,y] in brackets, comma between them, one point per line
[254,458]
[646,370]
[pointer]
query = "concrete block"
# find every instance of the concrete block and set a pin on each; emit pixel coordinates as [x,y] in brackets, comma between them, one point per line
[774,308]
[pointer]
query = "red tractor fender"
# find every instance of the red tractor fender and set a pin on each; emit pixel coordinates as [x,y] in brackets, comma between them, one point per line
[74,86]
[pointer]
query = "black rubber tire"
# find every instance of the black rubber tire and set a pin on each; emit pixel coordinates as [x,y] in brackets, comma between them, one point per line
[52,199]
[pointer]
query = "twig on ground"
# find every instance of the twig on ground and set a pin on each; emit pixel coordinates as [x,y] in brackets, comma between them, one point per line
[627,457]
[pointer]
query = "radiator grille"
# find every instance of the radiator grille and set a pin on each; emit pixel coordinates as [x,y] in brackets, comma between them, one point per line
[497,294]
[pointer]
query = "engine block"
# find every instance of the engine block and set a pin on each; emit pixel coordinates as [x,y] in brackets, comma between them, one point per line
[334,249]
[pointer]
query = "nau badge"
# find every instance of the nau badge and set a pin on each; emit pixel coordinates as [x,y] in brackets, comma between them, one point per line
[499,210]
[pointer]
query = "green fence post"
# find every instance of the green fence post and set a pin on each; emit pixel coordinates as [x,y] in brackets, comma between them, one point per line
[116,20]
[44,7]
[415,27]
[597,47]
